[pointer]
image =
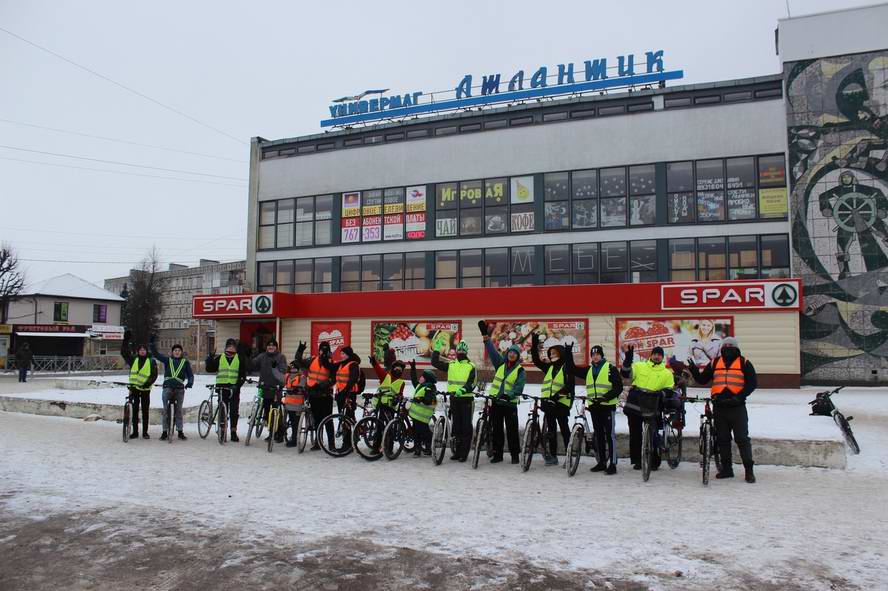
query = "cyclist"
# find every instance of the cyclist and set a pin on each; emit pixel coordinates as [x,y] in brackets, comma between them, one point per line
[271,365]
[557,390]
[733,380]
[603,389]
[177,376]
[652,376]
[294,381]
[507,387]
[142,375]
[231,372]
[460,383]
[320,375]
[350,382]
[391,386]
[422,408]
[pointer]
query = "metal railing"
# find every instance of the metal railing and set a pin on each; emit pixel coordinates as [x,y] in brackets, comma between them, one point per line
[70,364]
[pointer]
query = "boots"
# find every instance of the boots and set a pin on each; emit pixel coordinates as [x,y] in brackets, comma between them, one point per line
[234,438]
[750,475]
[726,470]
[599,467]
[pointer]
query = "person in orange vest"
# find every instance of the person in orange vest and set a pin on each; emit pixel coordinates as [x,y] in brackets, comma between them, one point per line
[349,379]
[733,380]
[320,375]
[294,386]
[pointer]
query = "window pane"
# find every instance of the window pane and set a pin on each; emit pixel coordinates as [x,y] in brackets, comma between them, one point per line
[470,267]
[285,236]
[496,262]
[743,257]
[556,186]
[285,210]
[266,213]
[775,250]
[711,258]
[557,215]
[304,209]
[445,195]
[324,232]
[643,210]
[643,255]
[470,194]
[304,231]
[350,286]
[284,274]
[741,172]
[522,218]
[392,271]
[266,237]
[323,271]
[641,180]
[689,275]
[370,272]
[710,191]
[324,207]
[414,270]
[266,274]
[496,220]
[681,254]
[445,266]
[680,208]
[772,172]
[557,264]
[523,264]
[445,224]
[585,263]
[613,257]
[351,269]
[679,177]
[613,182]
[585,184]
[613,212]
[470,221]
[585,213]
[496,192]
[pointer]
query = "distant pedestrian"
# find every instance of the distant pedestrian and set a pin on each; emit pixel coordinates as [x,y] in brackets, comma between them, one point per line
[23,358]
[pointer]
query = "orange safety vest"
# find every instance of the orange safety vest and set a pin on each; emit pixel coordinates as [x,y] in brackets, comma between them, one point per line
[342,378]
[293,380]
[317,373]
[730,378]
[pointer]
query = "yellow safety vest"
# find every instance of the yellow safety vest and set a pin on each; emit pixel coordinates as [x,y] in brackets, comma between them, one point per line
[647,376]
[598,386]
[139,378]
[509,380]
[552,386]
[388,388]
[227,373]
[458,373]
[419,411]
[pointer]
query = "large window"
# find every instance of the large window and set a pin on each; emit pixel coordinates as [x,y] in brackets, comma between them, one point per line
[350,274]
[556,189]
[392,271]
[681,208]
[557,264]
[614,265]
[288,223]
[710,190]
[414,270]
[711,259]
[584,263]
[775,255]
[741,188]
[323,275]
[643,261]
[642,200]
[297,276]
[445,268]
[496,267]
[584,188]
[613,197]
[371,272]
[743,257]
[682,264]
[470,268]
[523,265]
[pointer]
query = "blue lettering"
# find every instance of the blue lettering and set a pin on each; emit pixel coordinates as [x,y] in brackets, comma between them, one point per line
[362,106]
[565,74]
[654,60]
[490,84]
[341,111]
[464,88]
[354,108]
[333,110]
[408,102]
[395,102]
[539,78]
[517,81]
[416,96]
[383,103]
[596,69]
[622,70]
[374,105]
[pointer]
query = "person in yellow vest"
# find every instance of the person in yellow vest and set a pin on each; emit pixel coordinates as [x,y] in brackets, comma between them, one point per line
[460,383]
[391,385]
[733,379]
[142,375]
[320,377]
[557,393]
[507,386]
[603,389]
[422,408]
[651,375]
[177,376]
[231,368]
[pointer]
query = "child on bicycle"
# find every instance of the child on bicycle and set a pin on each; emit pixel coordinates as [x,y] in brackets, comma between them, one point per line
[422,408]
[231,370]
[177,376]
[391,387]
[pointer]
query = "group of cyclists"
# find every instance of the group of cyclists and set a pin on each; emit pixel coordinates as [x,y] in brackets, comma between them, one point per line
[323,380]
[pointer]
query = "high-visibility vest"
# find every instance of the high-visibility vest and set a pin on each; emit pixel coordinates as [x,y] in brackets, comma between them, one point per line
[730,378]
[317,373]
[228,370]
[419,411]
[388,388]
[500,378]
[293,380]
[175,371]
[553,385]
[651,377]
[598,386]
[458,373]
[342,378]
[139,378]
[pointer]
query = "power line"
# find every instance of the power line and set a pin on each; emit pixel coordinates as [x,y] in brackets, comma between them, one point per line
[118,140]
[180,171]
[123,172]
[124,87]
[45,230]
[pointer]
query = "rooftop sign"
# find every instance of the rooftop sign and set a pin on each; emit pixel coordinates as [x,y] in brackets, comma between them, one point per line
[594,75]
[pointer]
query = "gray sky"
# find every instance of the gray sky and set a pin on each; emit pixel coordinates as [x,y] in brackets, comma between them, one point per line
[271,69]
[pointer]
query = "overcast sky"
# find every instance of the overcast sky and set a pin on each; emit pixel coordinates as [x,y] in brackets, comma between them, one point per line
[271,69]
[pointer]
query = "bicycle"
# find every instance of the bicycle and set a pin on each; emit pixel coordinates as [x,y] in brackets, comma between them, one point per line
[257,420]
[128,406]
[367,434]
[481,436]
[275,416]
[306,428]
[647,404]
[822,405]
[673,420]
[343,427]
[534,435]
[399,433]
[169,420]
[442,436]
[582,438]
[708,439]
[207,416]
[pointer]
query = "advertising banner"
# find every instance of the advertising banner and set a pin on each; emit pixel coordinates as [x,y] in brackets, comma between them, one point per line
[416,198]
[765,294]
[335,332]
[564,331]
[522,189]
[416,225]
[393,227]
[415,340]
[772,203]
[351,205]
[351,230]
[371,231]
[681,338]
[372,203]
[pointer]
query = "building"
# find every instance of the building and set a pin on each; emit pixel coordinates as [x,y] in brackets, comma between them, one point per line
[65,316]
[639,213]
[180,284]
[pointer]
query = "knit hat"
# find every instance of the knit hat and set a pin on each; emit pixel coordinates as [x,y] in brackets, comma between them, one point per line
[730,342]
[347,351]
[176,346]
[462,347]
[516,349]
[400,364]
[231,343]
[429,376]
[659,350]
[596,349]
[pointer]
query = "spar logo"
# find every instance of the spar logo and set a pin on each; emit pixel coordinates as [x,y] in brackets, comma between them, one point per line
[234,305]
[734,295]
[785,295]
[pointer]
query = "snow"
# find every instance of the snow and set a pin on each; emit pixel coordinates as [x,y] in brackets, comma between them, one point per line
[71,286]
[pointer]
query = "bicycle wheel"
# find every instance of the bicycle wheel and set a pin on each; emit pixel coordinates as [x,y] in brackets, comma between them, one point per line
[251,424]
[439,443]
[845,427]
[169,409]
[528,445]
[705,450]
[127,414]
[575,449]
[647,449]
[672,443]
[408,438]
[222,423]
[204,419]
[367,438]
[274,423]
[301,431]
[343,425]
[543,441]
[478,440]
[393,438]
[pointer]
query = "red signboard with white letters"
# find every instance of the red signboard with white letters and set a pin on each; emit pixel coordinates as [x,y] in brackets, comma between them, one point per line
[233,306]
[780,294]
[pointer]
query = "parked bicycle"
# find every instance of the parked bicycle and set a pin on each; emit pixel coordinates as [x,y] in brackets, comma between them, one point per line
[275,415]
[582,438]
[442,435]
[367,434]
[209,415]
[128,405]
[257,419]
[343,427]
[399,433]
[534,435]
[169,418]
[708,439]
[822,405]
[481,436]
[306,429]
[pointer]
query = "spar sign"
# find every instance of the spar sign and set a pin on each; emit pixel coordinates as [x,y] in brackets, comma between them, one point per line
[221,306]
[778,294]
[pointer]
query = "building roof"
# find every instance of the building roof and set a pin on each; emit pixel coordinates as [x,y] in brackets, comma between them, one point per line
[71,286]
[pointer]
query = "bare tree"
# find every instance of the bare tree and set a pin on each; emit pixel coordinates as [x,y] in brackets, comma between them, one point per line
[12,279]
[142,309]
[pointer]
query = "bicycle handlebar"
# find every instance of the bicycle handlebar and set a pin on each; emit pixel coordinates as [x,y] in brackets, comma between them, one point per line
[695,399]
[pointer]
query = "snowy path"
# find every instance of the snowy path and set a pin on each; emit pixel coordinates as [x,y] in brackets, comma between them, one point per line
[795,529]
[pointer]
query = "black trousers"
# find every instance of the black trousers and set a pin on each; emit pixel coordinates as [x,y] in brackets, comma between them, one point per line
[341,397]
[321,408]
[732,419]
[603,419]
[635,425]
[461,410]
[231,397]
[140,398]
[423,435]
[504,414]
[556,415]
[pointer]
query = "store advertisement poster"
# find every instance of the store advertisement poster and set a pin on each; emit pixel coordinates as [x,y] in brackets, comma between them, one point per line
[335,332]
[416,225]
[393,227]
[772,202]
[415,340]
[351,204]
[522,189]
[371,231]
[681,338]
[564,331]
[351,230]
[416,198]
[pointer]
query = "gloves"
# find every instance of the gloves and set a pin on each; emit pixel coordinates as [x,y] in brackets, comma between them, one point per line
[460,392]
[630,355]
[274,363]
[482,326]
[503,396]
[412,363]
[371,359]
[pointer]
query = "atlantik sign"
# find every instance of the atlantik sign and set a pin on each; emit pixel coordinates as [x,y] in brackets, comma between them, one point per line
[594,75]
[221,306]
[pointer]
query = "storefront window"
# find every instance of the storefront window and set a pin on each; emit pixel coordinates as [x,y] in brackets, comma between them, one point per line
[557,200]
[682,254]
[680,193]
[775,255]
[710,191]
[266,276]
[496,267]
[523,265]
[711,259]
[557,264]
[742,257]
[643,261]
[613,262]
[414,270]
[584,186]
[323,275]
[584,261]
[284,275]
[350,274]
[445,268]
[740,188]
[392,272]
[470,268]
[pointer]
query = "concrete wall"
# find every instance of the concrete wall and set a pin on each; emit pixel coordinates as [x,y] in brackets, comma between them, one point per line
[79,311]
[838,32]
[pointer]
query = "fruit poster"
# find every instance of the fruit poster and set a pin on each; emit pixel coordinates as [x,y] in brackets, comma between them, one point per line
[415,340]
[681,338]
[337,333]
[565,331]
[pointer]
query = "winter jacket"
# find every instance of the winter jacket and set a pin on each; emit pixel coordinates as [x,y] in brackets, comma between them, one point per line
[129,358]
[23,357]
[445,365]
[497,360]
[750,381]
[185,373]
[543,366]
[211,364]
[582,372]
[272,368]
